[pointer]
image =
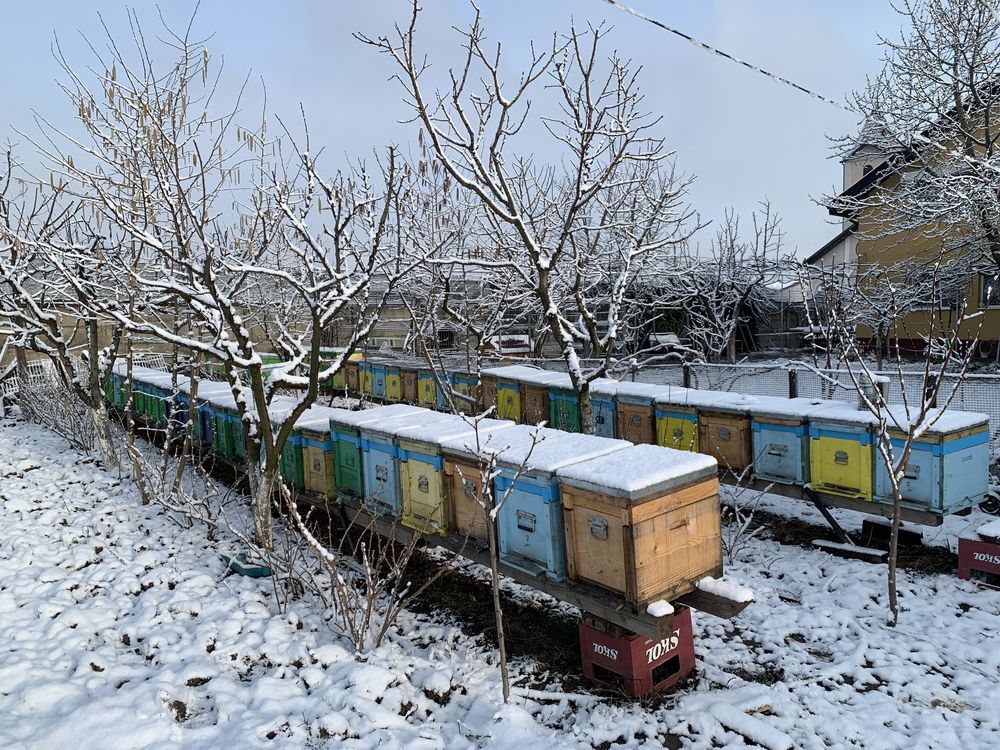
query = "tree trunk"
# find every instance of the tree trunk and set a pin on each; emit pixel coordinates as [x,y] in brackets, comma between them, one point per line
[102,424]
[262,485]
[497,609]
[897,512]
[586,410]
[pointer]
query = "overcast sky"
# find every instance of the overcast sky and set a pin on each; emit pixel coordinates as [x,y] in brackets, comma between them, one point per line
[743,137]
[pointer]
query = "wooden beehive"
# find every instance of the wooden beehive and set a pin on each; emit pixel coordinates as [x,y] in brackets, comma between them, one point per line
[643,522]
[534,403]
[488,391]
[463,488]
[408,385]
[353,382]
[727,438]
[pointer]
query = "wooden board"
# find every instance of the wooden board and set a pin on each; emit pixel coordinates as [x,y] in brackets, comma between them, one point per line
[408,386]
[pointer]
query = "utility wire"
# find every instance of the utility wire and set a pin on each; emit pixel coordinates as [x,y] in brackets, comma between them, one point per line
[716,51]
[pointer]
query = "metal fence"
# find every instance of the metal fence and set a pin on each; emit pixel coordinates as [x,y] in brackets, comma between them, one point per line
[978,393]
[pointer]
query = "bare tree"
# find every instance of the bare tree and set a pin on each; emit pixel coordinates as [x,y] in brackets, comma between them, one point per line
[729,285]
[48,313]
[897,427]
[222,248]
[578,234]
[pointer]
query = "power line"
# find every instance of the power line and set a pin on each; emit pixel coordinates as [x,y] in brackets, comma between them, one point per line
[716,51]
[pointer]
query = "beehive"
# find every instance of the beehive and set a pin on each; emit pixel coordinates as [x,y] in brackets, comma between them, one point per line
[408,384]
[367,378]
[345,433]
[602,396]
[780,438]
[948,466]
[318,450]
[530,526]
[421,466]
[378,381]
[724,427]
[352,376]
[676,420]
[393,384]
[427,389]
[509,396]
[467,388]
[635,404]
[643,521]
[535,395]
[380,460]
[488,391]
[840,452]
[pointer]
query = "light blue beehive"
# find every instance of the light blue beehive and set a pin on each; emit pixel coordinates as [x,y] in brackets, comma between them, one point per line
[530,522]
[948,466]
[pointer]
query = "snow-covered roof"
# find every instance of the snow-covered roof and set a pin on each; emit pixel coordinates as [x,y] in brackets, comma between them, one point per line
[553,449]
[739,403]
[452,428]
[792,408]
[847,414]
[519,373]
[423,420]
[945,420]
[639,471]
[372,416]
[493,435]
[649,391]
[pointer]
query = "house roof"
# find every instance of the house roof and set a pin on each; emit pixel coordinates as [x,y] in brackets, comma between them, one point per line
[829,246]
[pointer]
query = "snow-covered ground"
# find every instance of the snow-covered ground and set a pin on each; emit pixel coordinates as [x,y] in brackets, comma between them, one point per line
[120,629]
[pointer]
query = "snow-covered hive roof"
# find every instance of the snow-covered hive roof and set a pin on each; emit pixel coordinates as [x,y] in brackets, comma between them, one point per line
[423,420]
[552,449]
[519,373]
[365,417]
[649,391]
[639,471]
[845,414]
[945,421]
[725,401]
[453,426]
[795,408]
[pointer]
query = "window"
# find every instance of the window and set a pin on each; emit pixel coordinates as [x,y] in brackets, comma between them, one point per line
[989,290]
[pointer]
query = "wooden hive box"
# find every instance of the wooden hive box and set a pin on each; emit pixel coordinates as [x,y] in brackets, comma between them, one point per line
[464,460]
[643,522]
[352,377]
[408,385]
[636,411]
[841,452]
[724,430]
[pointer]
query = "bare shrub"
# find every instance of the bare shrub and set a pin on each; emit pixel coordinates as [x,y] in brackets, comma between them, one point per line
[45,401]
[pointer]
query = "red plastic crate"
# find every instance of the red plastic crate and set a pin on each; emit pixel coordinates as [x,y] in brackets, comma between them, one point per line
[640,665]
[978,554]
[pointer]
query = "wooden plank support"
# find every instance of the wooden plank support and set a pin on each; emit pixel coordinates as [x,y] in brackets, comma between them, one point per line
[922,518]
[830,520]
[594,600]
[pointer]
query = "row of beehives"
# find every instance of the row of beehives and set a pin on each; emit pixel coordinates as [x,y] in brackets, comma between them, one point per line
[642,520]
[827,445]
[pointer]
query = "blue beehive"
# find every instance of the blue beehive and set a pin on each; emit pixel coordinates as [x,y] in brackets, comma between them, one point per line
[948,466]
[378,380]
[380,461]
[780,430]
[602,396]
[530,521]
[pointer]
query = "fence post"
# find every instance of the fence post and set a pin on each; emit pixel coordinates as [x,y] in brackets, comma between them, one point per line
[931,390]
[793,383]
[687,375]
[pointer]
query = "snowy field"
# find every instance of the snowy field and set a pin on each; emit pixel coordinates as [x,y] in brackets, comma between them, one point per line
[120,629]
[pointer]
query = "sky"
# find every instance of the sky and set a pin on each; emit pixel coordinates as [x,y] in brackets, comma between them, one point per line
[742,137]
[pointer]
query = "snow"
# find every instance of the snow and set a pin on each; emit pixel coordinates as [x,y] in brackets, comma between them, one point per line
[659,608]
[725,401]
[366,417]
[424,420]
[639,471]
[519,373]
[846,414]
[945,420]
[791,408]
[114,618]
[990,530]
[644,390]
[544,450]
[725,589]
[458,429]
